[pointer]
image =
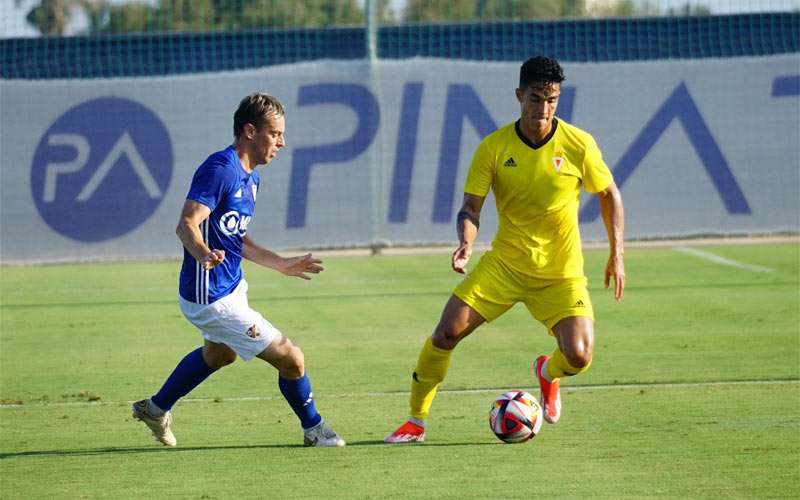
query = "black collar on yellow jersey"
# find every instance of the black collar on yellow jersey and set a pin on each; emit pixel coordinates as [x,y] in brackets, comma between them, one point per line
[543,142]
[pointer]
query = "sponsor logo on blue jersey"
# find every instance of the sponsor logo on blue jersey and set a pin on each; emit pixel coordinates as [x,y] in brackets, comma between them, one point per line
[232,223]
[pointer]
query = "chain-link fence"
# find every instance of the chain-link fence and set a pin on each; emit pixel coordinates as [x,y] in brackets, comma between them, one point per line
[101,128]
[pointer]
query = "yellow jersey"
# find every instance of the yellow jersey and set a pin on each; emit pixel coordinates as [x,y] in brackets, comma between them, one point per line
[537,193]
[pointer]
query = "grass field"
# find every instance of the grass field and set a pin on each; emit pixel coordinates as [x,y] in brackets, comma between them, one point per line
[694,391]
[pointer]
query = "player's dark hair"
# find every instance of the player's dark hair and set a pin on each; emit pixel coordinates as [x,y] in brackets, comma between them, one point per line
[540,70]
[254,109]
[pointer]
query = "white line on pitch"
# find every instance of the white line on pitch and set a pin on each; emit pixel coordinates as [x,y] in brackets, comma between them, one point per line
[717,259]
[578,388]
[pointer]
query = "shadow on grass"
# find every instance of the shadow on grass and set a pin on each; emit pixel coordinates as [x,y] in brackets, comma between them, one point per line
[427,444]
[124,451]
[164,449]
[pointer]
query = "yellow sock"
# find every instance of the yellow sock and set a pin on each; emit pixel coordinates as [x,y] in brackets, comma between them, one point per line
[431,369]
[558,366]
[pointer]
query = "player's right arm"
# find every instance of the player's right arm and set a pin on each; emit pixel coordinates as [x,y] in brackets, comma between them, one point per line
[467,224]
[479,180]
[188,231]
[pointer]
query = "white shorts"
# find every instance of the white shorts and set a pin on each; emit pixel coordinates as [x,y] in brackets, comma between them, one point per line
[230,321]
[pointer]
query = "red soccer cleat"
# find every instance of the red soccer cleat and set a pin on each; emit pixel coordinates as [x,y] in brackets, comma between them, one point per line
[409,432]
[550,395]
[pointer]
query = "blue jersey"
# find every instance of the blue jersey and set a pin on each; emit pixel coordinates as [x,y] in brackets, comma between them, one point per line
[222,184]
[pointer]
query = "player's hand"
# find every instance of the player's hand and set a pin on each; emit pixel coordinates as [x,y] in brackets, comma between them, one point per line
[299,266]
[213,259]
[616,268]
[461,257]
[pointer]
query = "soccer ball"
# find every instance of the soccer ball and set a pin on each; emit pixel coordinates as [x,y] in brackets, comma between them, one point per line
[515,417]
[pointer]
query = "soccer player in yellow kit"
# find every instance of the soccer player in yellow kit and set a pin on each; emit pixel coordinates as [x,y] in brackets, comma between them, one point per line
[536,168]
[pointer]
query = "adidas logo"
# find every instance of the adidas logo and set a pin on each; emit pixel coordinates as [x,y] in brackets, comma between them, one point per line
[579,304]
[238,193]
[510,162]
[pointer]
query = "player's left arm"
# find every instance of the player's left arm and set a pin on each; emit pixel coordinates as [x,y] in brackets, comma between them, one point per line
[290,266]
[613,215]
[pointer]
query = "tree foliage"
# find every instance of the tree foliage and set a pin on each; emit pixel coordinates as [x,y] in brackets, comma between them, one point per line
[52,17]
[486,10]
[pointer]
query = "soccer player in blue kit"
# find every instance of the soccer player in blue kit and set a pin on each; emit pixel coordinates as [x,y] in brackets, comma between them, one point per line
[213,292]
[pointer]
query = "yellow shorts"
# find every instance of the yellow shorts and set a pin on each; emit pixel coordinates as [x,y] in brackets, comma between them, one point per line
[492,288]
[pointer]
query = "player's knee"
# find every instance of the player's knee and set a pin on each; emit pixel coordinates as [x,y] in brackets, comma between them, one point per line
[221,360]
[446,335]
[218,358]
[293,366]
[580,357]
[581,360]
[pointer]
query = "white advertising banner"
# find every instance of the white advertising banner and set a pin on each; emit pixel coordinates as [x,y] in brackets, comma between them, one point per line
[99,169]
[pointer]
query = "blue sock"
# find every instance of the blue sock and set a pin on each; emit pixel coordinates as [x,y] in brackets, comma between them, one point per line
[189,373]
[299,396]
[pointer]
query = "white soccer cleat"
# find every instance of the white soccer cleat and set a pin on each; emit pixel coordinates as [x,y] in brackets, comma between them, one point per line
[160,426]
[322,436]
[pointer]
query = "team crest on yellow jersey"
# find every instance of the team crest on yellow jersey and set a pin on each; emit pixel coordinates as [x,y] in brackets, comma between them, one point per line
[557,162]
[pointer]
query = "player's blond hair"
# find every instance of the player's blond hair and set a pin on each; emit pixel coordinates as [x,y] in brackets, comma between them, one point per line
[254,109]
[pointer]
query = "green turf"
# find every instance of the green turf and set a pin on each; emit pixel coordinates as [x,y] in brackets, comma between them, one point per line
[694,391]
